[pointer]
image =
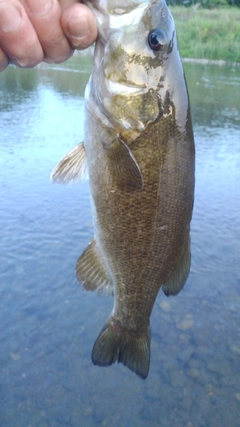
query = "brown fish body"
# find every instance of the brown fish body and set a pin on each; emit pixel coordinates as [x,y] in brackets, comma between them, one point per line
[140,158]
[142,233]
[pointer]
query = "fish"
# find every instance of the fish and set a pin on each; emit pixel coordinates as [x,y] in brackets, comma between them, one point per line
[138,149]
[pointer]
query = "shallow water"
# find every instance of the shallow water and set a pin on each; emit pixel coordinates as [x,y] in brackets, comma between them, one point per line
[48,324]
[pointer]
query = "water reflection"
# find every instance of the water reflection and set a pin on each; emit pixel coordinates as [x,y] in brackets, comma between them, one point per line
[48,324]
[17,84]
[213,95]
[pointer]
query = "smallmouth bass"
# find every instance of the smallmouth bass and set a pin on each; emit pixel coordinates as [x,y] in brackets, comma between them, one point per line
[139,151]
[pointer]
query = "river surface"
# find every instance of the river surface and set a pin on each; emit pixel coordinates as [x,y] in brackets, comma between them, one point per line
[48,324]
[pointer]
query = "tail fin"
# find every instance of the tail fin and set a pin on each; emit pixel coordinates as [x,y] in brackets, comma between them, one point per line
[118,345]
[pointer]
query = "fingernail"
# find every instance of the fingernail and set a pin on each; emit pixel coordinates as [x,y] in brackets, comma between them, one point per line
[11,18]
[39,7]
[78,27]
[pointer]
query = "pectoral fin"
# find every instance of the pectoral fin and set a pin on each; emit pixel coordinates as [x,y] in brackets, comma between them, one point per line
[124,168]
[90,270]
[71,167]
[180,274]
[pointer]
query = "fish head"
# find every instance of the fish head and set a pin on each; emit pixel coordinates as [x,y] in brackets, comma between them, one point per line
[139,42]
[135,59]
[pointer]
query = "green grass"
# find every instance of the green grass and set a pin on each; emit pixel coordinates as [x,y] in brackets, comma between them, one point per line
[208,34]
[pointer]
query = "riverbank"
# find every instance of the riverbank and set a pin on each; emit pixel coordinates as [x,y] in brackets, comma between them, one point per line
[208,34]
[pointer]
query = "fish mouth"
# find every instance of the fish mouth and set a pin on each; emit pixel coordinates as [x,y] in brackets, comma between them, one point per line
[124,87]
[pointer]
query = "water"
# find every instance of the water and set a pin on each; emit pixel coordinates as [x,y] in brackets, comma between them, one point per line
[48,323]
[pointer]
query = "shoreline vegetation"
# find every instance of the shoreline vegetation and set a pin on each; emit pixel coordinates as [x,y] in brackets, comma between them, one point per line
[211,35]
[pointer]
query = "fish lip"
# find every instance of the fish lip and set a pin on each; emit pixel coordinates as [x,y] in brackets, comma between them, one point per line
[123,87]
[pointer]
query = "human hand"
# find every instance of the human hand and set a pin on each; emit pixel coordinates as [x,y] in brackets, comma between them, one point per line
[35,30]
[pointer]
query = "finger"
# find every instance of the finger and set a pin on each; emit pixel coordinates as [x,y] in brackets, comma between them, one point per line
[18,39]
[3,60]
[45,16]
[79,24]
[66,3]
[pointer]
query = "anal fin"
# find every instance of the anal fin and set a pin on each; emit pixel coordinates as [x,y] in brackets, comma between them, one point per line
[179,276]
[90,270]
[71,167]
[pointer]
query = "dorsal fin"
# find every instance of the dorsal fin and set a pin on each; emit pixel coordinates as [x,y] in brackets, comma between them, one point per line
[179,276]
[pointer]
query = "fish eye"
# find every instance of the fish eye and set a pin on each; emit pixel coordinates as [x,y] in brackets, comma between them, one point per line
[156,39]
